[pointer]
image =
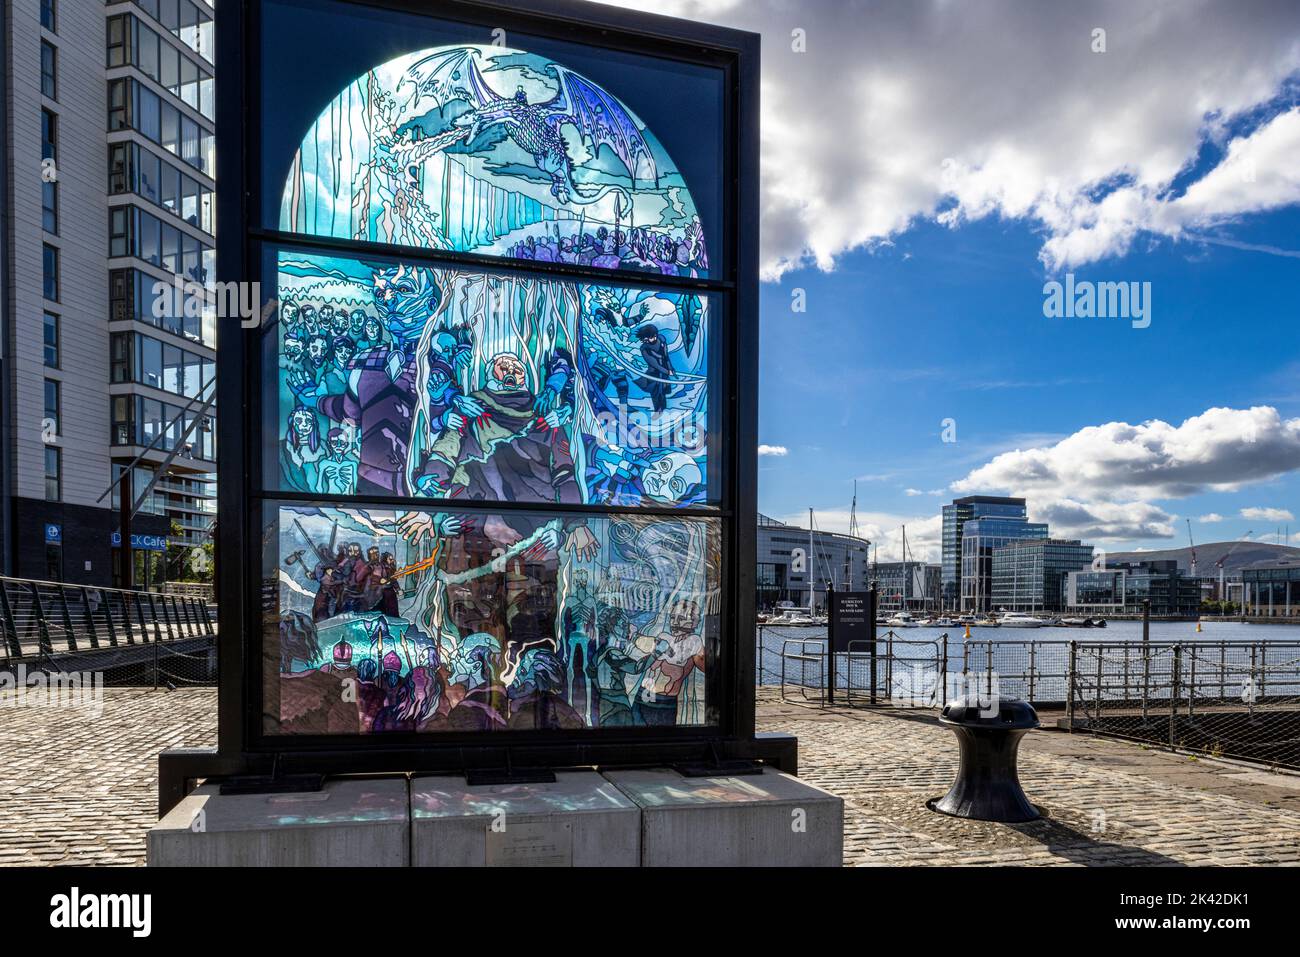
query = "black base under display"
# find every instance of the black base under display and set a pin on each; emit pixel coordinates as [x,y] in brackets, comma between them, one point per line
[273,784]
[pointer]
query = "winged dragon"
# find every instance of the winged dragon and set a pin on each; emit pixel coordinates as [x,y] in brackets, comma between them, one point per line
[537,128]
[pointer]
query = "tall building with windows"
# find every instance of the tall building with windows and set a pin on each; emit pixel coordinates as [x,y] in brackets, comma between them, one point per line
[1030,575]
[108,165]
[980,538]
[955,517]
[906,586]
[1272,588]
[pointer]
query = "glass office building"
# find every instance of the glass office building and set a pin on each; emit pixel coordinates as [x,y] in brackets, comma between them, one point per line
[110,108]
[1123,589]
[1030,575]
[955,516]
[980,537]
[1272,588]
[1095,591]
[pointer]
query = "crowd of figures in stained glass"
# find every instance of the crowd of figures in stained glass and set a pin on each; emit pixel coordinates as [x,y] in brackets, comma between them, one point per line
[427,621]
[435,383]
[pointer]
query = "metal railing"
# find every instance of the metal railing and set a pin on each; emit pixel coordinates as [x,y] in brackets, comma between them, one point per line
[60,626]
[906,672]
[919,668]
[802,652]
[201,590]
[770,650]
[1032,670]
[1231,698]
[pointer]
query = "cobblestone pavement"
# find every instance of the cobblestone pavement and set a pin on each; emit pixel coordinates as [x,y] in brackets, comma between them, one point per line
[80,789]
[76,789]
[1106,802]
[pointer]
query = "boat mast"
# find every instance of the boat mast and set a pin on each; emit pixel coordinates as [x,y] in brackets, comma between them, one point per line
[812,564]
[907,572]
[853,533]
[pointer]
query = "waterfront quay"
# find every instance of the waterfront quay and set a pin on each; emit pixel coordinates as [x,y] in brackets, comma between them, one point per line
[80,789]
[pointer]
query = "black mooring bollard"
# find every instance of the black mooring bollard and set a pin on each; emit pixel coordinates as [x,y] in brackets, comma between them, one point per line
[987,786]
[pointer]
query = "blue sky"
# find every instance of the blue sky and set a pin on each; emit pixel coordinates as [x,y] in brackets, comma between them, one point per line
[949,324]
[928,166]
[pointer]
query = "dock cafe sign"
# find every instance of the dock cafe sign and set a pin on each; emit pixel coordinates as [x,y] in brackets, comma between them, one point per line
[148,543]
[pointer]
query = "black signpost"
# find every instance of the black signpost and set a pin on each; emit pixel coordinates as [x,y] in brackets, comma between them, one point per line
[850,622]
[256,117]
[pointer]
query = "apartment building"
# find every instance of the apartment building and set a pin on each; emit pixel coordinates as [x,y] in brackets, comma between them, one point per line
[108,166]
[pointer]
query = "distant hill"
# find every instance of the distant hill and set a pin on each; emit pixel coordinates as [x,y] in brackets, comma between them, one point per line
[1209,553]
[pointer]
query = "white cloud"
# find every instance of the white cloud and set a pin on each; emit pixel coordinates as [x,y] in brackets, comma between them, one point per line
[1102,521]
[883,529]
[1211,518]
[1273,538]
[1268,514]
[1257,173]
[1219,450]
[911,492]
[1101,483]
[927,109]
[777,450]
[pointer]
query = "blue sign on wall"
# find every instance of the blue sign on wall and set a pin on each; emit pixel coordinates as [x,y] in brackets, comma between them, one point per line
[148,543]
[53,534]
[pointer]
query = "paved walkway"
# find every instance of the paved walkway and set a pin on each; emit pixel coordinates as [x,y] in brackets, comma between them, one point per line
[76,789]
[79,789]
[1107,802]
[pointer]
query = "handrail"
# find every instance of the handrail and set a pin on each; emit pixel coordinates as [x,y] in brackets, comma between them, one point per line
[43,620]
[801,654]
[54,584]
[1043,670]
[1235,698]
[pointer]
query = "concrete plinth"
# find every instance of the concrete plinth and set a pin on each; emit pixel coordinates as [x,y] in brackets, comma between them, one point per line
[351,822]
[766,820]
[580,820]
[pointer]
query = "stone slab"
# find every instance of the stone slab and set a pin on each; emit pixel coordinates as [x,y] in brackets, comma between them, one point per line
[580,820]
[761,820]
[356,822]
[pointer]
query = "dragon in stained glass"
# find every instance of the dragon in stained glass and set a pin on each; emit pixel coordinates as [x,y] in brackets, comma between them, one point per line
[537,128]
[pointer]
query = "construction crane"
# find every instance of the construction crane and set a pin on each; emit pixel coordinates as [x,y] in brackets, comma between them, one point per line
[1193,545]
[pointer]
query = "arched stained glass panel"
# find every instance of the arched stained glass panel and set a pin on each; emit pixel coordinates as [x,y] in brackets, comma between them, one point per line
[493,151]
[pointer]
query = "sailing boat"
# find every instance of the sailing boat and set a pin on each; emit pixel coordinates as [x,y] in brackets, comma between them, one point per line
[813,617]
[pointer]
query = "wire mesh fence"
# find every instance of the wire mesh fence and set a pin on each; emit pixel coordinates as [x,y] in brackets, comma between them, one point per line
[904,672]
[908,672]
[1033,671]
[772,649]
[1224,698]
[1232,699]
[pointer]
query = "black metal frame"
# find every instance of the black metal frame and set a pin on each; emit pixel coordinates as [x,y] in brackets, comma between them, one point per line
[242,747]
